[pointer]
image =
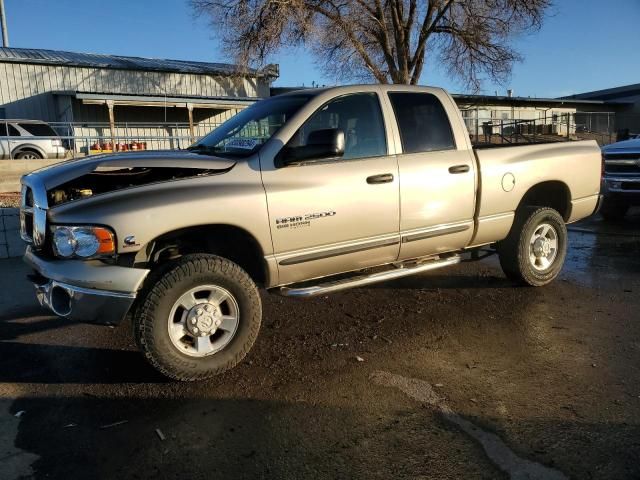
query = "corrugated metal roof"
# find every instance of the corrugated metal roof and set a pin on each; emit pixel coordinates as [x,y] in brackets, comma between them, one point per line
[153,100]
[614,93]
[56,57]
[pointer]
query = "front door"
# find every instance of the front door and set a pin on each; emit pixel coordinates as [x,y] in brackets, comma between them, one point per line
[337,214]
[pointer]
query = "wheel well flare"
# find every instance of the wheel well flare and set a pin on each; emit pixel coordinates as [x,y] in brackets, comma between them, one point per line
[552,194]
[228,241]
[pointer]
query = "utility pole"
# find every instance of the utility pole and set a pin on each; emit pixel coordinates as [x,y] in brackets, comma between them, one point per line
[3,24]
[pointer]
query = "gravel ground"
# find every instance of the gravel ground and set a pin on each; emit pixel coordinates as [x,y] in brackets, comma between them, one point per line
[9,200]
[463,376]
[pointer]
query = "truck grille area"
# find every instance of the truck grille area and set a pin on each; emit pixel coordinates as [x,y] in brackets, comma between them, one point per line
[33,214]
[631,186]
[622,163]
[26,214]
[26,226]
[618,168]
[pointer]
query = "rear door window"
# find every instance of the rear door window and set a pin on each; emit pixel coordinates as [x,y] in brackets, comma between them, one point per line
[423,123]
[39,129]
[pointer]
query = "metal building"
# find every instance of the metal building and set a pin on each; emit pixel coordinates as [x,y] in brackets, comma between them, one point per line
[109,91]
[626,99]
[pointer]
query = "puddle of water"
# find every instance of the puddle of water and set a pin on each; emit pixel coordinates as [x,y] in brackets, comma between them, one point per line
[498,452]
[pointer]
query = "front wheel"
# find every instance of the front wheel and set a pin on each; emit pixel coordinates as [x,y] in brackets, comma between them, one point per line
[534,251]
[199,318]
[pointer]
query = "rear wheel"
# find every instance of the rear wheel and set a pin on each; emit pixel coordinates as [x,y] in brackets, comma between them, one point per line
[534,251]
[199,318]
[28,155]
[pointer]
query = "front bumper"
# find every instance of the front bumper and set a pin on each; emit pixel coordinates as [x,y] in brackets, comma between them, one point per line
[82,304]
[627,188]
[85,291]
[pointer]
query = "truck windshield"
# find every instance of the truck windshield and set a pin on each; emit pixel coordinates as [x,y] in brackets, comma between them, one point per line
[246,132]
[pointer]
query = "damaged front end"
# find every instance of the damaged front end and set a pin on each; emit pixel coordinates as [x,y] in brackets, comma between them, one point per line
[105,180]
[78,179]
[99,286]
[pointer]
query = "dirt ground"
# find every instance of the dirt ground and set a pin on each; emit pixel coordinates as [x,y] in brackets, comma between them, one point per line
[463,376]
[9,200]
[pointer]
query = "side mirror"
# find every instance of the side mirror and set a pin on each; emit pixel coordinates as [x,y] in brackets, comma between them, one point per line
[321,144]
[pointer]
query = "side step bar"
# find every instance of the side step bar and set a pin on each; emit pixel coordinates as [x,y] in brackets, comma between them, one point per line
[362,280]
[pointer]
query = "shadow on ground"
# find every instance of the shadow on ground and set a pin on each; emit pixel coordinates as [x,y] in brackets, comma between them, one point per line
[239,438]
[56,364]
[552,371]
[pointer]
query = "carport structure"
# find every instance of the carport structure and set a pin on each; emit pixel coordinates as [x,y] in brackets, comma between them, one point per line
[208,106]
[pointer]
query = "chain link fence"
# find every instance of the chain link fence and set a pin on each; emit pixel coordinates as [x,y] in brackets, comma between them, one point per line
[90,138]
[485,129]
[77,139]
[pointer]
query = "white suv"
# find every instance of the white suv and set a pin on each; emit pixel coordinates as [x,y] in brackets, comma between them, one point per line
[29,140]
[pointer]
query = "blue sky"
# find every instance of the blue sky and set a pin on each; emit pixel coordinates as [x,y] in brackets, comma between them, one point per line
[584,45]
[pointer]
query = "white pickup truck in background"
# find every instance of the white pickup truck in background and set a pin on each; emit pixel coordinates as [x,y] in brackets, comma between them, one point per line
[621,182]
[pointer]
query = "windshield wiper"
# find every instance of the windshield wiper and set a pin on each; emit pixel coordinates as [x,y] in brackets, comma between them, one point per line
[210,149]
[200,148]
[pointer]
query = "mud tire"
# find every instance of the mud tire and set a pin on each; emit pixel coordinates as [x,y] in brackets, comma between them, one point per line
[151,316]
[514,251]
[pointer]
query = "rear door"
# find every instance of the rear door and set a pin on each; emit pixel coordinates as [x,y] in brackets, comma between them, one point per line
[339,214]
[437,176]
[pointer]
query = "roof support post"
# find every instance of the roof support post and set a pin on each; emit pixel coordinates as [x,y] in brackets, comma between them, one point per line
[191,131]
[112,124]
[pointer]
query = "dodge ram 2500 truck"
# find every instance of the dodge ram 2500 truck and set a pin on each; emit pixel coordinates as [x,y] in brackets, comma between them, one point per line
[304,194]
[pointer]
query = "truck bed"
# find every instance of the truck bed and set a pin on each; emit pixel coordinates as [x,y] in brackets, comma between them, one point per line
[507,173]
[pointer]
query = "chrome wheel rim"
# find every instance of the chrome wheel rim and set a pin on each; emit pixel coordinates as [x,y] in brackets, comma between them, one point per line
[543,247]
[203,320]
[29,156]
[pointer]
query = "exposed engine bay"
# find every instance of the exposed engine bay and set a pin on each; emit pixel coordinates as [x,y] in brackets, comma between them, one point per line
[104,180]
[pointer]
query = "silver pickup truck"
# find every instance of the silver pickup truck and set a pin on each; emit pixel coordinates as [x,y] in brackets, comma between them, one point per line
[302,194]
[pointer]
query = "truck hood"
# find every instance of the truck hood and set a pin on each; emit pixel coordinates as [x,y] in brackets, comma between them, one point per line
[58,174]
[627,146]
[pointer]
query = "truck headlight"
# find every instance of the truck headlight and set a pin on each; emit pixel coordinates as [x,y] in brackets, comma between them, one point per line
[82,242]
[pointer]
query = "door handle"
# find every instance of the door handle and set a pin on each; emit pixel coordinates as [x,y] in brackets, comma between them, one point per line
[382,178]
[459,169]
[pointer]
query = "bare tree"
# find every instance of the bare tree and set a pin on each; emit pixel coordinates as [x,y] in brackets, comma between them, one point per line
[385,40]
